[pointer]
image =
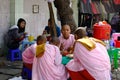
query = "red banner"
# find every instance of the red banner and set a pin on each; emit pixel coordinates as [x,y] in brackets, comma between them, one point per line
[117,2]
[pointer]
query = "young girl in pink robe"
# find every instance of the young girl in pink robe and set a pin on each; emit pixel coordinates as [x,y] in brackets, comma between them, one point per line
[28,56]
[91,60]
[47,63]
[66,40]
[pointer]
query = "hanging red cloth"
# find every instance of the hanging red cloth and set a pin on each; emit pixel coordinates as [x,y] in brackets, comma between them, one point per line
[85,1]
[117,2]
[93,8]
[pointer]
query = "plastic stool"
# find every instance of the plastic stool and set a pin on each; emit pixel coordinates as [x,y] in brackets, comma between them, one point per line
[14,54]
[26,73]
[110,53]
[115,55]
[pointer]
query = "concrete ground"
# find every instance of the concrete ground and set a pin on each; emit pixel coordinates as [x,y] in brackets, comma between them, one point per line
[10,69]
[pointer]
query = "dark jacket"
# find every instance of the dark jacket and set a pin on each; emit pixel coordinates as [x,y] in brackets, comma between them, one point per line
[13,37]
[47,28]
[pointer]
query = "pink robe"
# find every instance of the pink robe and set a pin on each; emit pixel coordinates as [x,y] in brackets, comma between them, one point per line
[67,42]
[49,67]
[28,54]
[96,62]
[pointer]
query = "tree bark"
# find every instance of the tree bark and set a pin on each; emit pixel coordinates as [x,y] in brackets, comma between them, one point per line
[53,27]
[66,13]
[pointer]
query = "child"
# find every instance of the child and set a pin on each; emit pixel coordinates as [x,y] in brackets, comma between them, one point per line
[91,59]
[55,41]
[66,40]
[29,54]
[47,63]
[27,57]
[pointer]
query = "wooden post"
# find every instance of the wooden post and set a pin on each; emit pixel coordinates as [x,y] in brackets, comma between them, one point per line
[53,31]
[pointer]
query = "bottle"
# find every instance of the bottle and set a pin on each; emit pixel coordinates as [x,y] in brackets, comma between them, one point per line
[26,37]
[107,44]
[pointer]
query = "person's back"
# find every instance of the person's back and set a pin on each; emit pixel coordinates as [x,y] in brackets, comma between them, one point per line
[96,61]
[47,62]
[28,55]
[49,67]
[90,54]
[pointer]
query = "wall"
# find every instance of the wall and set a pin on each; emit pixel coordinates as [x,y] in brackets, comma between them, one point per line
[24,9]
[12,12]
[4,18]
[18,9]
[36,22]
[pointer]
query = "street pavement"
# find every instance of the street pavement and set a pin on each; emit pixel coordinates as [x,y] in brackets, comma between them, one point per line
[10,70]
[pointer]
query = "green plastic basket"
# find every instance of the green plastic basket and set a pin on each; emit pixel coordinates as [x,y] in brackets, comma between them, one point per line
[114,54]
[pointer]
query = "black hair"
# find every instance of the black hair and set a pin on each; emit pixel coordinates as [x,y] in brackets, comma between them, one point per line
[49,20]
[18,24]
[80,33]
[64,25]
[55,41]
[41,38]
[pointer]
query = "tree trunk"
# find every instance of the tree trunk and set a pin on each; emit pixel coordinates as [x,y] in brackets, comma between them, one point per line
[53,27]
[66,13]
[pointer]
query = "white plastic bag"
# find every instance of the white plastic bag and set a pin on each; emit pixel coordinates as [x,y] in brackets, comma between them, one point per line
[16,78]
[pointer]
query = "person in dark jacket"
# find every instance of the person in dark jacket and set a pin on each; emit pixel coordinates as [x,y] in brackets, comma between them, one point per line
[47,28]
[115,23]
[21,25]
[16,34]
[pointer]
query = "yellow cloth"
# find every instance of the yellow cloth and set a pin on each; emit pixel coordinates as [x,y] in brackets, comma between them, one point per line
[99,41]
[88,43]
[40,49]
